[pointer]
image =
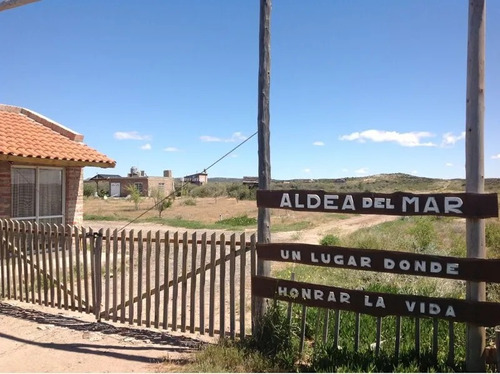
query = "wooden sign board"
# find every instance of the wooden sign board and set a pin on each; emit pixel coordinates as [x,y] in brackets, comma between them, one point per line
[466,205]
[376,303]
[472,269]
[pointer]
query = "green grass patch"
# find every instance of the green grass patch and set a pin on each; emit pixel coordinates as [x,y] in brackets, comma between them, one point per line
[296,226]
[238,221]
[98,217]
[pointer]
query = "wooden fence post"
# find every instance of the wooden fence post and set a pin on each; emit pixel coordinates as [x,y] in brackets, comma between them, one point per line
[475,229]
[263,118]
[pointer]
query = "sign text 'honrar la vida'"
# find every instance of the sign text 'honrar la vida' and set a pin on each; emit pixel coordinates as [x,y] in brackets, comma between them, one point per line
[399,203]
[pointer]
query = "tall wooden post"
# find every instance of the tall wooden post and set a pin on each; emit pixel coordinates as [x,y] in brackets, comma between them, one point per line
[263,119]
[474,165]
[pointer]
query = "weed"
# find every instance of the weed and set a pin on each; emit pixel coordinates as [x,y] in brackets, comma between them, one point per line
[189,202]
[330,239]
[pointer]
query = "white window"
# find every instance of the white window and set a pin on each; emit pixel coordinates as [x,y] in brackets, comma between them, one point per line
[38,194]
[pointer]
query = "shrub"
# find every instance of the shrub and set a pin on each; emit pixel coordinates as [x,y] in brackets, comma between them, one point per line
[424,233]
[330,239]
[493,236]
[135,195]
[88,190]
[189,202]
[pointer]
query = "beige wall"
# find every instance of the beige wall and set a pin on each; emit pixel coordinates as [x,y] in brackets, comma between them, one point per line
[148,183]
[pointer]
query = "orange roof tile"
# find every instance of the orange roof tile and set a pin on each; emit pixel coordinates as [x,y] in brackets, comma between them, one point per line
[26,134]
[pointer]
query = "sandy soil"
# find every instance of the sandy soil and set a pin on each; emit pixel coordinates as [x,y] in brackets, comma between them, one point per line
[36,339]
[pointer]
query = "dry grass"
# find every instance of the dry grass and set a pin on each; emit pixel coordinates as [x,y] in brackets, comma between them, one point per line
[207,210]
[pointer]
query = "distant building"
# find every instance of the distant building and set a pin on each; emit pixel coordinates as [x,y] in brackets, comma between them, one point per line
[118,186]
[199,178]
[252,182]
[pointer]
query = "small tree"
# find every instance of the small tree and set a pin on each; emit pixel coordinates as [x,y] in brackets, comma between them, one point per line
[160,202]
[135,195]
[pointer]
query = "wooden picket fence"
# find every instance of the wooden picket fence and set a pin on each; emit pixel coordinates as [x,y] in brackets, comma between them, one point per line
[181,281]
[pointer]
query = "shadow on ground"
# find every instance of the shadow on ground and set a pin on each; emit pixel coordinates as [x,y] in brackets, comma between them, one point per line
[180,344]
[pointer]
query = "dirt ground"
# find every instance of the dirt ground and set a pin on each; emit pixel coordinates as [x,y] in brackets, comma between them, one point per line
[37,339]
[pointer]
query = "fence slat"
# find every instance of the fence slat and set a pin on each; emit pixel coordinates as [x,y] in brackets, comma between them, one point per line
[140,257]
[175,288]
[451,343]
[50,250]
[32,261]
[232,293]
[185,249]
[25,240]
[397,347]
[325,326]
[166,270]
[148,279]
[78,269]
[93,272]
[211,306]
[57,254]
[97,256]
[357,325]
[115,275]
[18,248]
[379,336]
[85,270]
[253,272]
[12,256]
[203,260]
[44,259]
[107,268]
[157,279]
[123,273]
[435,331]
[64,250]
[336,331]
[131,277]
[417,336]
[222,286]
[243,257]
[192,302]
[303,329]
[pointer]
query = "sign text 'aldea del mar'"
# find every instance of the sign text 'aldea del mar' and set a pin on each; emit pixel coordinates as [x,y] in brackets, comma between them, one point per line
[399,203]
[464,205]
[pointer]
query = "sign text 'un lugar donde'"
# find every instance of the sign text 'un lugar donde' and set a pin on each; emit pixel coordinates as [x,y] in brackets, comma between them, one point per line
[473,269]
[467,205]
[376,303]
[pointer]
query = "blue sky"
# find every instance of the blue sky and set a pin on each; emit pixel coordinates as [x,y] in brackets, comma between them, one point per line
[357,87]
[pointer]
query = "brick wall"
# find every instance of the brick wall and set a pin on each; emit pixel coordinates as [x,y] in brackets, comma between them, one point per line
[74,195]
[5,191]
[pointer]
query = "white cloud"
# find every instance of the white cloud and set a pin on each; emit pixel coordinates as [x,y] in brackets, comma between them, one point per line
[449,139]
[496,157]
[449,164]
[345,170]
[171,149]
[307,170]
[406,139]
[319,143]
[206,138]
[361,171]
[237,136]
[146,147]
[414,172]
[131,135]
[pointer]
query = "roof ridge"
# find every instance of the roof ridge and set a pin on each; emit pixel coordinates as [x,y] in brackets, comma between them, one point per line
[44,121]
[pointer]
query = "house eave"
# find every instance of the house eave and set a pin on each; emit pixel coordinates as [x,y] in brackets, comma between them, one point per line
[54,162]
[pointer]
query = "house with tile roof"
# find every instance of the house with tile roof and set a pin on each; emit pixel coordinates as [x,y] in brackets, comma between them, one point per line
[41,168]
